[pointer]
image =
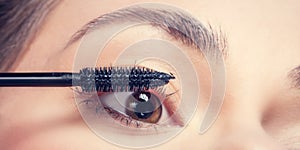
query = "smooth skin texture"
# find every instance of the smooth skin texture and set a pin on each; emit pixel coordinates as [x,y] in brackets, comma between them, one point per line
[259,108]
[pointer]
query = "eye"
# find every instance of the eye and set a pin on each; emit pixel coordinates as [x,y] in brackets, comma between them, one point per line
[142,118]
[136,109]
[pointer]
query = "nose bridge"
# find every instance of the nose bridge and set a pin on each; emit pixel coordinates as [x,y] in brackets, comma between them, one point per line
[240,117]
[246,96]
[243,107]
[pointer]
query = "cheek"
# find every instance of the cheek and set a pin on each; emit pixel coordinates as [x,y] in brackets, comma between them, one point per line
[61,138]
[34,105]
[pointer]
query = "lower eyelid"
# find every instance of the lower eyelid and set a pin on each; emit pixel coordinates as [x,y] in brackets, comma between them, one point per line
[135,125]
[105,118]
[124,120]
[117,116]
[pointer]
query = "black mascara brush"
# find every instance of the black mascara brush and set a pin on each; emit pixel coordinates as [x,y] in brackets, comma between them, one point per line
[103,79]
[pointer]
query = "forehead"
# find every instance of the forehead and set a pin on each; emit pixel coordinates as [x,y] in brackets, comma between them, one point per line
[262,35]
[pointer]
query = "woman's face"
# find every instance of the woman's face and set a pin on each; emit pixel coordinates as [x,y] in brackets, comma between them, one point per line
[261,102]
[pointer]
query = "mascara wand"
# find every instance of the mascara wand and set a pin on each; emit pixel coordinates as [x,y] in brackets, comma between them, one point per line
[103,79]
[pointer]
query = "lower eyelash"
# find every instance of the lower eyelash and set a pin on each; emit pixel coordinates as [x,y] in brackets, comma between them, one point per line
[124,120]
[137,127]
[119,117]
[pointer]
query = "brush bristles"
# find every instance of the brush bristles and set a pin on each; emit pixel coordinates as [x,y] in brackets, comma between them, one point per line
[121,79]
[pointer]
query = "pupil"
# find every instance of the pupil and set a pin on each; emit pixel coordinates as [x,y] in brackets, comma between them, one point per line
[144,106]
[144,110]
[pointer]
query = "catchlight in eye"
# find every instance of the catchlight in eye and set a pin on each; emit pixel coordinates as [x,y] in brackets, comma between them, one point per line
[144,106]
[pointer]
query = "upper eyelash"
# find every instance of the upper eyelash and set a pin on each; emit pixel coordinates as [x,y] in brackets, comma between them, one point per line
[85,95]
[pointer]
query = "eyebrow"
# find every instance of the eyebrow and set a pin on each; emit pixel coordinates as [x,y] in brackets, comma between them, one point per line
[176,23]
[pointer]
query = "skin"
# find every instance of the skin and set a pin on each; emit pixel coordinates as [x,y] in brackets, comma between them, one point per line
[259,108]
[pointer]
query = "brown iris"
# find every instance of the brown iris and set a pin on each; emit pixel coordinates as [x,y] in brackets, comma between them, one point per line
[144,106]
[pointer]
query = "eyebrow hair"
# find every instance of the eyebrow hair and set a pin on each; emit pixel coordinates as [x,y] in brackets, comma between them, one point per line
[176,23]
[295,76]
